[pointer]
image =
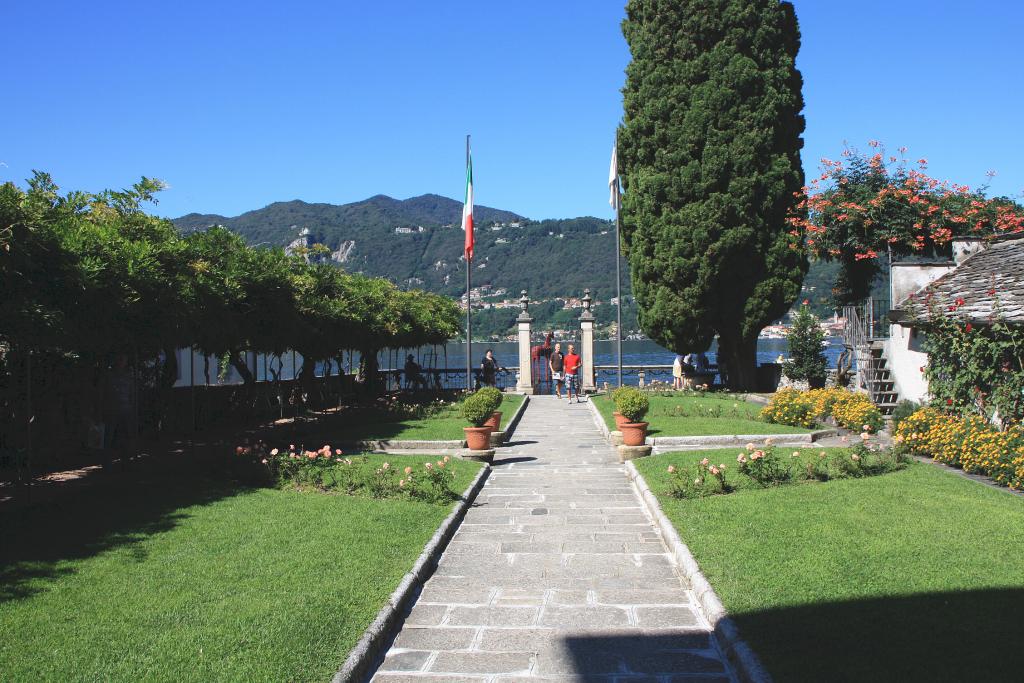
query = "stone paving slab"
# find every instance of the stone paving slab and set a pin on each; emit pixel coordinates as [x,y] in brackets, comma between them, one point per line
[556,574]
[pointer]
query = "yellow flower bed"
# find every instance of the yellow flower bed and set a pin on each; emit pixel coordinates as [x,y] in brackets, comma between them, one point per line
[804,408]
[789,407]
[856,411]
[971,443]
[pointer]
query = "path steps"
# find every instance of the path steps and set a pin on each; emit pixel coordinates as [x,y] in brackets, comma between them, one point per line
[556,574]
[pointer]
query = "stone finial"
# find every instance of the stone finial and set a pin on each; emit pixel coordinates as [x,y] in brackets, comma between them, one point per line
[524,302]
[587,314]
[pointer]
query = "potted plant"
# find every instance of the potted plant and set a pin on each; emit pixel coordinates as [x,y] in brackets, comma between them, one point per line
[633,404]
[494,422]
[478,409]
[619,419]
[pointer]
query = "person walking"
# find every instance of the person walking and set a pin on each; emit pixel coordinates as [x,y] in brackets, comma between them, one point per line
[572,366]
[556,364]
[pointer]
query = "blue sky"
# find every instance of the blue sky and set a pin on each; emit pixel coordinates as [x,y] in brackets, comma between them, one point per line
[239,105]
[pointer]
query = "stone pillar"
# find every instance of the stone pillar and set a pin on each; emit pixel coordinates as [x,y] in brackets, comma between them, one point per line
[587,383]
[525,385]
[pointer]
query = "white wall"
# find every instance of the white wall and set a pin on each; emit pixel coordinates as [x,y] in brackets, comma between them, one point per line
[905,361]
[903,347]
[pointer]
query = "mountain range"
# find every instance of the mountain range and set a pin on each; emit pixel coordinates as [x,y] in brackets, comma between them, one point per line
[418,242]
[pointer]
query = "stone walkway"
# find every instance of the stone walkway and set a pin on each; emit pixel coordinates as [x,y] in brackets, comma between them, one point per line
[556,574]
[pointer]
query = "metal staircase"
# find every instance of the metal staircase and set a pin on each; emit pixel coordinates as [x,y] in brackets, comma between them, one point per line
[864,335]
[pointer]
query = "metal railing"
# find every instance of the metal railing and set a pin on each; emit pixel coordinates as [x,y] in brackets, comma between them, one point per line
[866,323]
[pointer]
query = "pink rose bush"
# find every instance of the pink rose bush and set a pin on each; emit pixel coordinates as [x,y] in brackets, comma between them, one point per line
[325,469]
[761,466]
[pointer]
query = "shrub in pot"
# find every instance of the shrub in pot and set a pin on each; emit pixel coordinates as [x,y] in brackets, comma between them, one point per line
[477,409]
[496,397]
[633,404]
[619,419]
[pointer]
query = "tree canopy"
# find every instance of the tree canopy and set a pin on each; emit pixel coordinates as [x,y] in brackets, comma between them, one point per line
[87,275]
[709,152]
[869,204]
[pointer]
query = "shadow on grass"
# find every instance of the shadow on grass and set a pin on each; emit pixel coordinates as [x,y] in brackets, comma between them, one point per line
[113,509]
[957,636]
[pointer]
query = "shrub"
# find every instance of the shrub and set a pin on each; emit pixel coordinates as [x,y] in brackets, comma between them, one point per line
[631,403]
[494,395]
[478,407]
[328,470]
[853,410]
[763,465]
[902,411]
[822,400]
[807,357]
[789,407]
[766,467]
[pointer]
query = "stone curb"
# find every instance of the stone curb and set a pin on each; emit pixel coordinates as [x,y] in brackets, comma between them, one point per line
[739,653]
[395,445]
[411,445]
[510,426]
[598,419]
[375,639]
[733,439]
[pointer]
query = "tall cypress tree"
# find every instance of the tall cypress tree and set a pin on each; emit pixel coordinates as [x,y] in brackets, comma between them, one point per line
[709,152]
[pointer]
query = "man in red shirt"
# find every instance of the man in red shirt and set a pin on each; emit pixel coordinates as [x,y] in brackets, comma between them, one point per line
[572,366]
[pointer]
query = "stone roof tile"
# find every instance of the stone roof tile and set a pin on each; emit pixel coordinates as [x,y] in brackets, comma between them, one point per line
[1000,267]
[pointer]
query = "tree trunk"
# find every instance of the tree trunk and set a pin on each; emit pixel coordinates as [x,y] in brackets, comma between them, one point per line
[237,360]
[307,379]
[740,357]
[368,370]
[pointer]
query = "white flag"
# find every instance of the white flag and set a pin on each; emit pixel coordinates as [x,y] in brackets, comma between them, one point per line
[613,180]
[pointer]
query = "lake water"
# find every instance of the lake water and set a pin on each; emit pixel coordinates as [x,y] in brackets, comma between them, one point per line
[633,353]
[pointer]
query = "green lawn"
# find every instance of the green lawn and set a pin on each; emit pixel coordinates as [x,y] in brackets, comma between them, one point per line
[915,575]
[690,415]
[359,424]
[190,581]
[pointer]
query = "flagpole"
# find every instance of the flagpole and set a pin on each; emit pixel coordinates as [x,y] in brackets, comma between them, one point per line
[618,274]
[469,307]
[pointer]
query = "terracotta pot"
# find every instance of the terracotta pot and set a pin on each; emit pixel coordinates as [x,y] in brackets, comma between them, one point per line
[495,422]
[477,438]
[633,433]
[619,420]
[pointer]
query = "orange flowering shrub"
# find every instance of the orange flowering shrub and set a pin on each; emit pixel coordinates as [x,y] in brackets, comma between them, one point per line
[971,443]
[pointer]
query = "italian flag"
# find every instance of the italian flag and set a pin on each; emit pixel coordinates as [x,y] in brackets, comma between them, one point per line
[467,210]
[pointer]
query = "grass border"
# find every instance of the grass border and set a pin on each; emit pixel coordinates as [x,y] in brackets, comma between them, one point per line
[741,655]
[715,439]
[370,648]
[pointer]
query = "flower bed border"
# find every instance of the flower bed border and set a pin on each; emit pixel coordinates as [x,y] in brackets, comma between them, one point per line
[383,445]
[716,439]
[741,655]
[373,644]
